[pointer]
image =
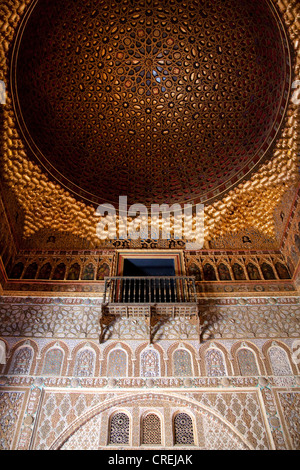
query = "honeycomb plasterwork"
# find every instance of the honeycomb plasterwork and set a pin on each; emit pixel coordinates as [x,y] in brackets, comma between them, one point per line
[49,205]
[152,81]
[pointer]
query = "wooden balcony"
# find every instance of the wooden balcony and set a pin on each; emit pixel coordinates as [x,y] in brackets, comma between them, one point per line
[153,298]
[150,290]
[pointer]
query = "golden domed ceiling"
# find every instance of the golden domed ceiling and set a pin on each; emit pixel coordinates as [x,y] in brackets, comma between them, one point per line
[43,207]
[161,101]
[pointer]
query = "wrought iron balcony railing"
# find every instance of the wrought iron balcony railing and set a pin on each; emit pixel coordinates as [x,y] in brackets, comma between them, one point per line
[150,290]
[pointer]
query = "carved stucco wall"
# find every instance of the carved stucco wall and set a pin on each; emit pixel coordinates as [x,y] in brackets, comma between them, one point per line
[257,411]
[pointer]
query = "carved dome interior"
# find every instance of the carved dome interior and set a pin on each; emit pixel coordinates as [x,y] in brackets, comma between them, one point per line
[161,101]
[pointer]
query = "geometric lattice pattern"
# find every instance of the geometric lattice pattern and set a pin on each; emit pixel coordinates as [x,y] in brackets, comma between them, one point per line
[86,437]
[10,408]
[58,412]
[183,429]
[219,438]
[243,411]
[290,402]
[119,429]
[240,322]
[151,429]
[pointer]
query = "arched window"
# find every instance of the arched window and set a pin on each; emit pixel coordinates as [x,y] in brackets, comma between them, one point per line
[267,271]
[282,271]
[74,272]
[103,271]
[209,272]
[117,363]
[238,272]
[279,361]
[59,272]
[88,272]
[214,362]
[45,271]
[85,363]
[183,429]
[17,270]
[31,271]
[224,273]
[194,270]
[182,363]
[150,363]
[253,272]
[21,362]
[247,362]
[119,429]
[151,429]
[53,362]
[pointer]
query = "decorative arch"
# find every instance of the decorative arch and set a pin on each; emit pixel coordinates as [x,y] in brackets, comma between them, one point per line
[80,348]
[103,271]
[59,272]
[54,358]
[74,272]
[23,358]
[194,270]
[88,272]
[151,428]
[224,272]
[17,271]
[227,430]
[282,270]
[182,363]
[30,271]
[117,363]
[85,362]
[214,360]
[149,363]
[248,364]
[253,272]
[160,354]
[278,359]
[238,272]
[184,428]
[119,428]
[45,271]
[267,271]
[117,346]
[185,347]
[209,272]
